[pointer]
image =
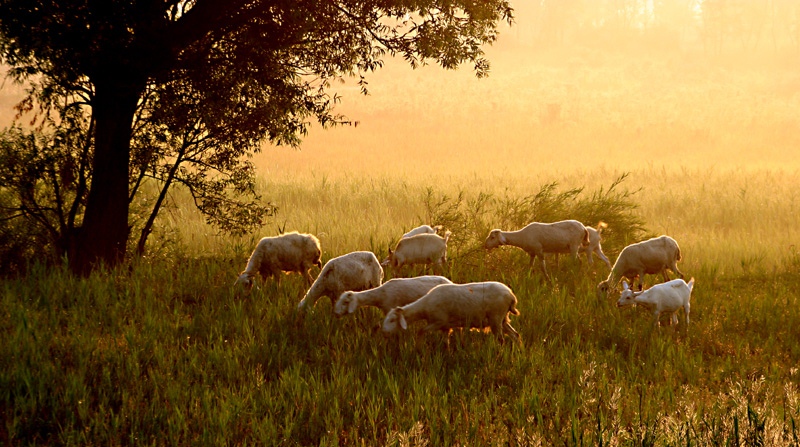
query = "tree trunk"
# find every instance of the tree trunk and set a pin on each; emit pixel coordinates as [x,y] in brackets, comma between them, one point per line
[103,236]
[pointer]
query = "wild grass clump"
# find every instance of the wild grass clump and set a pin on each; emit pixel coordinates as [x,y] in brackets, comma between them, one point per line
[471,216]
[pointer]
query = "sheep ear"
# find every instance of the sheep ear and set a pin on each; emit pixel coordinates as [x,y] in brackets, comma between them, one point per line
[352,305]
[403,323]
[502,238]
[624,285]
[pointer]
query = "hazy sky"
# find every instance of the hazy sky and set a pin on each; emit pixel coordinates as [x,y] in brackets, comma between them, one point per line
[571,96]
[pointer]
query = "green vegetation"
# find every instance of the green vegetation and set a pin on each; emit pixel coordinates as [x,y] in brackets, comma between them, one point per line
[165,352]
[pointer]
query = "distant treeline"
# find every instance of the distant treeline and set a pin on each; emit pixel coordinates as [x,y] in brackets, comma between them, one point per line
[715,26]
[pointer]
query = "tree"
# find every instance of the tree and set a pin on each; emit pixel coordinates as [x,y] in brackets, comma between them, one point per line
[205,82]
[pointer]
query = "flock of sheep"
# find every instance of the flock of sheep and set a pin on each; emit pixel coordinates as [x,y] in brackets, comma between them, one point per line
[355,279]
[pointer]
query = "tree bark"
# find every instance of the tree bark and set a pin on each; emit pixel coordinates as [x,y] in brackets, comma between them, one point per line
[103,236]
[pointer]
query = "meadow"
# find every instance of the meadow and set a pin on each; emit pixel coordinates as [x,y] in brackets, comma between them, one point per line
[165,352]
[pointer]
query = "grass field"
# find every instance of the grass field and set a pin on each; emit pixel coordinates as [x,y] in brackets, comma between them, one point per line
[164,352]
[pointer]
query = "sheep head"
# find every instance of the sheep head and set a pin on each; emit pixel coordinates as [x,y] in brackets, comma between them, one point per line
[494,240]
[394,319]
[628,296]
[603,288]
[245,280]
[346,304]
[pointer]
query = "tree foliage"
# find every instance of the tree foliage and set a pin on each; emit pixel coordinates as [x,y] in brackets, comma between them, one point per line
[182,92]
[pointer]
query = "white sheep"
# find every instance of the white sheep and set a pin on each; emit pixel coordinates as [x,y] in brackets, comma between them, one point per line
[594,244]
[424,248]
[649,257]
[290,252]
[667,297]
[447,306]
[356,271]
[566,236]
[393,293]
[423,229]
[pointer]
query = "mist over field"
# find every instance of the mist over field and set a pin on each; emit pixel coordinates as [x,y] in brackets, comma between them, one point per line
[642,99]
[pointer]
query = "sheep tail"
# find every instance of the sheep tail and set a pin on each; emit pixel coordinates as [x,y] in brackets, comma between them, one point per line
[513,307]
[678,256]
[447,236]
[585,241]
[690,284]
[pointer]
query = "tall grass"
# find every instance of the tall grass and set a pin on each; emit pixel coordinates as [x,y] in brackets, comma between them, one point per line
[165,351]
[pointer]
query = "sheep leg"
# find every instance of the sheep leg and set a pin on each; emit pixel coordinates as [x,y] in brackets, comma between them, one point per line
[544,265]
[686,313]
[497,331]
[657,315]
[507,329]
[678,272]
[574,252]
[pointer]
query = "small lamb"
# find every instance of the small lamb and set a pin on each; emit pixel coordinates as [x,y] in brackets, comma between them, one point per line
[424,248]
[290,252]
[393,293]
[447,306]
[667,297]
[566,236]
[423,229]
[594,244]
[356,271]
[652,256]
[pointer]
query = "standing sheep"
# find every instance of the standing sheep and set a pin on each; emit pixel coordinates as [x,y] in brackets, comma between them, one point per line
[356,271]
[649,257]
[594,244]
[290,252]
[424,248]
[566,236]
[393,293]
[447,306]
[668,297]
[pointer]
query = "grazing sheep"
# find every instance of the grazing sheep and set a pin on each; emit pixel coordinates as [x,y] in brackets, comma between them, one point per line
[393,293]
[290,252]
[356,271]
[652,256]
[423,229]
[594,244]
[422,248]
[447,306]
[566,236]
[667,297]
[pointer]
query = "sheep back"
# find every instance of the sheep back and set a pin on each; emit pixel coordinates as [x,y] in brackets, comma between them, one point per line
[424,248]
[422,229]
[393,293]
[557,237]
[290,252]
[650,257]
[472,305]
[355,271]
